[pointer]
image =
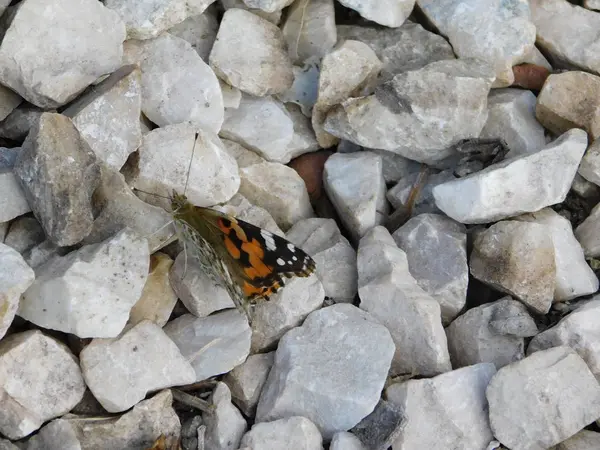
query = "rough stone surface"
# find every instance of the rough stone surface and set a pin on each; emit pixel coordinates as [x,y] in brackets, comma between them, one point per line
[13,201]
[517,258]
[587,233]
[514,186]
[273,17]
[247,380]
[41,380]
[423,201]
[8,101]
[42,171]
[391,13]
[340,357]
[200,31]
[38,59]
[448,411]
[585,439]
[225,425]
[343,440]
[90,291]
[250,54]
[212,345]
[24,233]
[121,371]
[590,163]
[543,399]
[292,432]
[17,124]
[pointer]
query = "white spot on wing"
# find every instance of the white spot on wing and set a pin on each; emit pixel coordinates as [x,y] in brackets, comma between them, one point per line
[269,241]
[281,262]
[291,247]
[294,258]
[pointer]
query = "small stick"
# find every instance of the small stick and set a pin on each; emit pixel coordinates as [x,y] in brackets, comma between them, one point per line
[192,401]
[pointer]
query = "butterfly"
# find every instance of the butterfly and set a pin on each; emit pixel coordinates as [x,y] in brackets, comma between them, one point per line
[248,261]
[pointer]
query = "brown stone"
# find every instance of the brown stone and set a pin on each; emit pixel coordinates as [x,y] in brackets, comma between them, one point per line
[530,76]
[310,168]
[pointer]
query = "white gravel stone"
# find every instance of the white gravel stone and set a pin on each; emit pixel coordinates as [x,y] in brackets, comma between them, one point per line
[420,113]
[13,202]
[334,255]
[391,13]
[40,380]
[292,432]
[250,54]
[493,332]
[343,440]
[355,185]
[274,17]
[135,430]
[590,163]
[121,371]
[436,249]
[585,439]
[247,380]
[278,189]
[166,156]
[511,117]
[9,100]
[388,291]
[200,31]
[577,330]
[15,277]
[448,411]
[38,59]
[90,291]
[587,233]
[498,32]
[516,185]
[225,425]
[177,86]
[568,33]
[285,310]
[340,357]
[517,258]
[212,345]
[542,400]
[574,277]
[304,139]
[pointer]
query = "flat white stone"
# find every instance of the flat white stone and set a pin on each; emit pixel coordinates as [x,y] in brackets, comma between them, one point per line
[247,380]
[590,163]
[292,432]
[391,13]
[200,31]
[13,202]
[587,233]
[40,380]
[516,185]
[225,425]
[90,291]
[121,371]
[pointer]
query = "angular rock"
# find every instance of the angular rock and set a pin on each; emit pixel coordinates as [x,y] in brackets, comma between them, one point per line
[309,29]
[304,139]
[212,345]
[13,202]
[191,162]
[137,429]
[44,173]
[108,118]
[516,185]
[380,428]
[448,411]
[391,13]
[517,258]
[388,120]
[436,249]
[355,185]
[17,124]
[39,254]
[568,100]
[396,167]
[24,233]
[200,31]
[357,351]
[543,399]
[574,278]
[121,371]
[38,64]
[333,254]
[388,291]
[304,90]
[40,380]
[177,86]
[268,6]
[590,163]
[587,233]
[225,425]
[285,310]
[247,380]
[9,100]
[500,33]
[242,155]
[274,17]
[16,276]
[423,182]
[343,440]
[250,54]
[585,439]
[291,432]
[584,188]
[97,285]
[511,117]
[231,96]
[279,190]
[490,333]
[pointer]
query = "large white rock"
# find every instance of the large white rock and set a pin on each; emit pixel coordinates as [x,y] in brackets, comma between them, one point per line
[89,292]
[225,425]
[247,380]
[53,51]
[15,277]
[590,163]
[587,233]
[391,13]
[294,432]
[39,380]
[330,370]
[516,185]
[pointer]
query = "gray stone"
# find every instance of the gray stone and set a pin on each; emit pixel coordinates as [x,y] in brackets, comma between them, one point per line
[250,54]
[90,291]
[490,333]
[13,202]
[17,124]
[584,440]
[212,345]
[8,101]
[304,90]
[388,291]
[340,357]
[396,167]
[391,13]
[542,400]
[8,156]
[247,380]
[200,31]
[5,444]
[423,201]
[291,432]
[36,60]
[24,233]
[225,425]
[56,163]
[584,188]
[587,233]
[16,276]
[590,163]
[41,380]
[516,185]
[380,428]
[436,249]
[517,258]
[448,411]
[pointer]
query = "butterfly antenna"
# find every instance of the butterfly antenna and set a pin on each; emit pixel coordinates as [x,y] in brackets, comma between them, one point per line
[190,165]
[152,193]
